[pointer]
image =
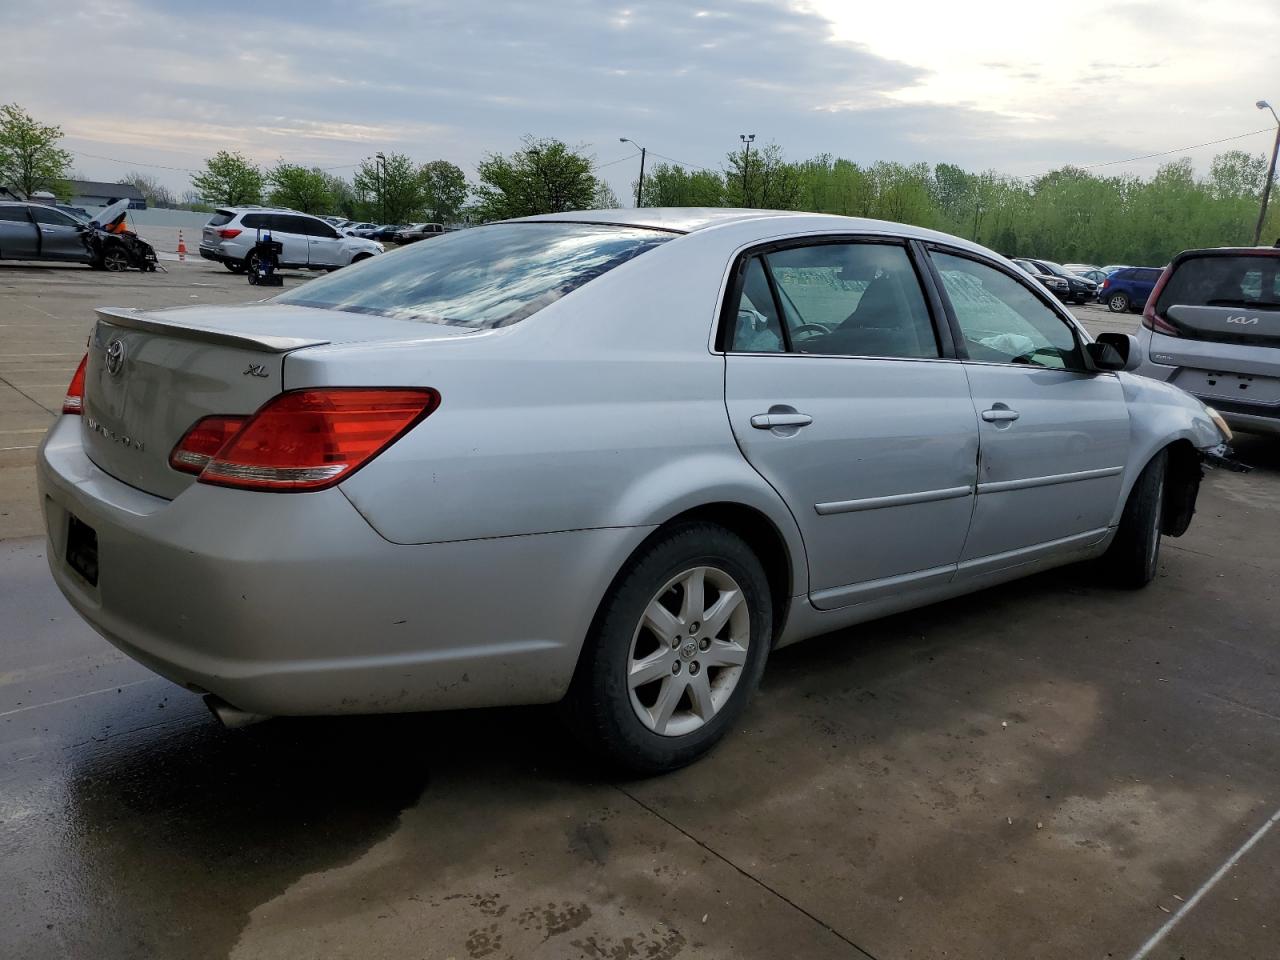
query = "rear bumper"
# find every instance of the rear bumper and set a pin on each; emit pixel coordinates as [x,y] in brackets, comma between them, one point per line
[291,604]
[1175,359]
[216,256]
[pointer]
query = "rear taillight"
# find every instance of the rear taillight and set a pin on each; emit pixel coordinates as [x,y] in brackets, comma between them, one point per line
[1152,320]
[73,402]
[229,233]
[203,441]
[312,439]
[1105,283]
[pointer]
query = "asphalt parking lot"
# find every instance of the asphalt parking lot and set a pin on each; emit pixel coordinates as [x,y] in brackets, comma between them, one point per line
[1049,769]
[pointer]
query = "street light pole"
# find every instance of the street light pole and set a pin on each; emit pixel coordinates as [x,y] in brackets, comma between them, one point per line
[640,182]
[382,184]
[746,138]
[1271,173]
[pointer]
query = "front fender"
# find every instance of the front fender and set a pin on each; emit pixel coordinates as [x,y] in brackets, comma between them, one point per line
[1160,414]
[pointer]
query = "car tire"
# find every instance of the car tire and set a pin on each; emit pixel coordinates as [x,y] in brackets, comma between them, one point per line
[653,691]
[1118,303]
[361,256]
[115,259]
[235,266]
[1134,554]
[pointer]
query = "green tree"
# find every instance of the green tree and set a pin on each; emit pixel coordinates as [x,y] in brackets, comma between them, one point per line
[30,158]
[155,192]
[604,198]
[544,177]
[300,188]
[229,179]
[667,185]
[391,189]
[761,178]
[444,191]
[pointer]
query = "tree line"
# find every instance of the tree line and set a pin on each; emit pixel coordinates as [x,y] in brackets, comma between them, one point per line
[1068,214]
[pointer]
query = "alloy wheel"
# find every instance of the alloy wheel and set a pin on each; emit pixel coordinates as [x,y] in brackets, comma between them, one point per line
[688,651]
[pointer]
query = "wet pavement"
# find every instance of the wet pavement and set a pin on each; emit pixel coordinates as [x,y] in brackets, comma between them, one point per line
[1039,770]
[1048,769]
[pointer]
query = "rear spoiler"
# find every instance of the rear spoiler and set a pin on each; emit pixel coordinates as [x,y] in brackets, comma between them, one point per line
[134,319]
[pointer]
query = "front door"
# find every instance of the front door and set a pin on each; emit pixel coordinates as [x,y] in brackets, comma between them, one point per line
[61,238]
[290,231]
[1054,435]
[837,396]
[324,246]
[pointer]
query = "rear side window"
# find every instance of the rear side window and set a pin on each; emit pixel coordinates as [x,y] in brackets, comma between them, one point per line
[17,214]
[221,218]
[256,221]
[852,299]
[484,277]
[1224,282]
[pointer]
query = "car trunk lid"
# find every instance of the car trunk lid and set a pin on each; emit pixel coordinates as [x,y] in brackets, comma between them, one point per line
[150,376]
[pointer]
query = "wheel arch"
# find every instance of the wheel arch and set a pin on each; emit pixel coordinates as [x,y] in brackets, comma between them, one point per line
[783,569]
[1183,472]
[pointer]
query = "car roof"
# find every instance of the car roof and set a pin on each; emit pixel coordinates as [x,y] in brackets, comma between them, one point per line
[692,219]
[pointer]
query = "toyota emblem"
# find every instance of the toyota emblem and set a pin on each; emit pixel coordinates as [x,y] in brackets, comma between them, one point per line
[115,357]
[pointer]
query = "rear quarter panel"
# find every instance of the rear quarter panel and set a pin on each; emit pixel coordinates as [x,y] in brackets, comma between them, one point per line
[605,409]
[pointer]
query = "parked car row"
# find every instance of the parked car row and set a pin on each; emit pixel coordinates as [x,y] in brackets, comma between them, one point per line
[1064,284]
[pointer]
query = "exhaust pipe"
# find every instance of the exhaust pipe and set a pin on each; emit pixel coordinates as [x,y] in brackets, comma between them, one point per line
[233,718]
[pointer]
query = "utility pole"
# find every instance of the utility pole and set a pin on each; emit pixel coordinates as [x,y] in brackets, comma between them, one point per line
[382,184]
[640,182]
[1271,173]
[747,139]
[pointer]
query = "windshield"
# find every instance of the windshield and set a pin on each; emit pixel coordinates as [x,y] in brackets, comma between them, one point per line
[481,277]
[1214,281]
[1057,268]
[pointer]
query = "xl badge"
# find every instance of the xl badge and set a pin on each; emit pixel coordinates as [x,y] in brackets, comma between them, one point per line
[255,370]
[115,357]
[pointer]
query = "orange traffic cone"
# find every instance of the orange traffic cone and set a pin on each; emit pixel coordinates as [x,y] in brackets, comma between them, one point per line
[182,247]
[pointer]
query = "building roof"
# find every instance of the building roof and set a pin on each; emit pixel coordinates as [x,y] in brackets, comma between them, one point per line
[99,188]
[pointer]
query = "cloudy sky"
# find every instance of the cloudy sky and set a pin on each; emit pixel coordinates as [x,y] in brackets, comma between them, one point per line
[1018,87]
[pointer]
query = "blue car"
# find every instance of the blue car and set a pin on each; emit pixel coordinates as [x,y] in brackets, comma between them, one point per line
[1128,288]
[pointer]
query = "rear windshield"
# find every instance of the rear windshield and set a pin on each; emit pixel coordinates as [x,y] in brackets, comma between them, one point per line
[220,217]
[1224,282]
[481,277]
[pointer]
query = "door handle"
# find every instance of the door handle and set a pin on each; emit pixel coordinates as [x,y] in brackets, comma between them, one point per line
[1000,414]
[767,421]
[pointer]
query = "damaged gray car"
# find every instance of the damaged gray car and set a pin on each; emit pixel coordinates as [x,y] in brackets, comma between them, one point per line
[38,231]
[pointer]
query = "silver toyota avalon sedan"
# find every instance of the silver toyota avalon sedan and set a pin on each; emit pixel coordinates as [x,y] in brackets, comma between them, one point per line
[610,459]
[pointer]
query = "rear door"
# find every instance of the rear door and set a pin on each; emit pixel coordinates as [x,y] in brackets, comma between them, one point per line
[19,239]
[61,238]
[324,246]
[1054,436]
[838,396]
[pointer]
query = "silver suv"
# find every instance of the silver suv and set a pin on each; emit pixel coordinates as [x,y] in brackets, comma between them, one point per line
[1212,327]
[308,241]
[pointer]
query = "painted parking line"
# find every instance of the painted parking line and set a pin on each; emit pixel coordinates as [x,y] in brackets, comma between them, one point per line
[1208,885]
[80,696]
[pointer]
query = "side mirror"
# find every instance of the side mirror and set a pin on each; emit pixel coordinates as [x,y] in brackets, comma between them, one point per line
[1114,351]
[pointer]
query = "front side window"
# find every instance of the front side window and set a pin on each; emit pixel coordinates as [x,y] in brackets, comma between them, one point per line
[483,277]
[51,217]
[1001,320]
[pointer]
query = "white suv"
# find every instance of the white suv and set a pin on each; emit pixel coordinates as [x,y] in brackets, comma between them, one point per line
[308,241]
